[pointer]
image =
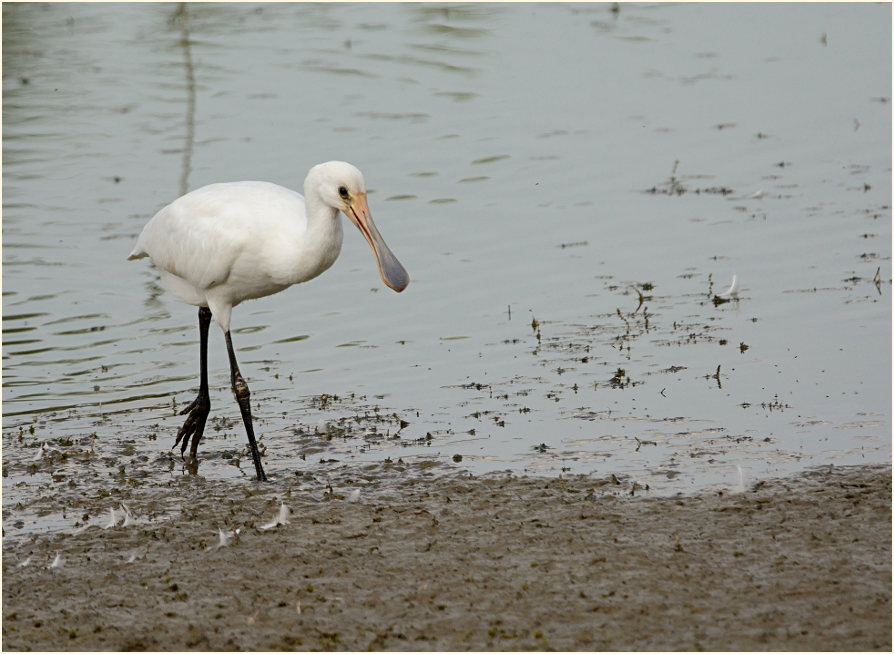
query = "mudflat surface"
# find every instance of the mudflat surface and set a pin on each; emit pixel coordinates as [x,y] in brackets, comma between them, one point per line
[378,558]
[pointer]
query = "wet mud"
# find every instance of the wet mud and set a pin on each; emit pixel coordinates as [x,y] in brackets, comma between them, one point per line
[409,557]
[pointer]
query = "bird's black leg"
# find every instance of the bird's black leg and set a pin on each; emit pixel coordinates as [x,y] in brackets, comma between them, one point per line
[198,410]
[240,390]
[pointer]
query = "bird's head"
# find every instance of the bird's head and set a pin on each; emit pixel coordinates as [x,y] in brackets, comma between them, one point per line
[341,186]
[337,183]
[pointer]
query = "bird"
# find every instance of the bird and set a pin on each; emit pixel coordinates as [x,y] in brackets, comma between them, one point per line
[225,243]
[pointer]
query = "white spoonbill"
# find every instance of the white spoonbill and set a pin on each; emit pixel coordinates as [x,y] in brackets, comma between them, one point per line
[225,243]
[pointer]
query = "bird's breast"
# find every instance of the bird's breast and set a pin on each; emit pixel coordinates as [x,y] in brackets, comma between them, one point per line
[297,256]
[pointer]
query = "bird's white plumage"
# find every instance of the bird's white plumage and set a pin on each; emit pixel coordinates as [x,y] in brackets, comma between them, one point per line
[225,243]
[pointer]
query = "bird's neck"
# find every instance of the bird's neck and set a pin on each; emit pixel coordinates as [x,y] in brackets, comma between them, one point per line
[323,222]
[320,243]
[317,212]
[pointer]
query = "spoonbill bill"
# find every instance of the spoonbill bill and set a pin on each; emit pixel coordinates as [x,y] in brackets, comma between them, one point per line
[225,243]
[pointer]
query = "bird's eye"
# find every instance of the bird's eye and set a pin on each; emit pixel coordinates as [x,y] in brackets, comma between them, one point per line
[342,191]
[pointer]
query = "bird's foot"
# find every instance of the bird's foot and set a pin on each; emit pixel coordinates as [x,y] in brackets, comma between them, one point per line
[193,428]
[191,464]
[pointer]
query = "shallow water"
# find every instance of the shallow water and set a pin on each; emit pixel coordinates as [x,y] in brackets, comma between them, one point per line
[538,169]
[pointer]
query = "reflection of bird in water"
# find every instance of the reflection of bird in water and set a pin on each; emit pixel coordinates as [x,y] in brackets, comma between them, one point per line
[225,243]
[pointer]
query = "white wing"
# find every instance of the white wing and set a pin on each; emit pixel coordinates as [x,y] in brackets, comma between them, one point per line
[200,236]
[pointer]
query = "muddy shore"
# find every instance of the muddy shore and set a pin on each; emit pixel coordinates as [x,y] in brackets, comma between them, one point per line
[377,559]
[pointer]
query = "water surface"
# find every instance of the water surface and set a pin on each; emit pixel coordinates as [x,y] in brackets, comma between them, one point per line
[568,185]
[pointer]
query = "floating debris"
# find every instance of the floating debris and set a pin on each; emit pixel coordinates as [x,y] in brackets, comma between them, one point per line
[729,294]
[129,520]
[113,519]
[732,291]
[282,518]
[224,539]
[739,487]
